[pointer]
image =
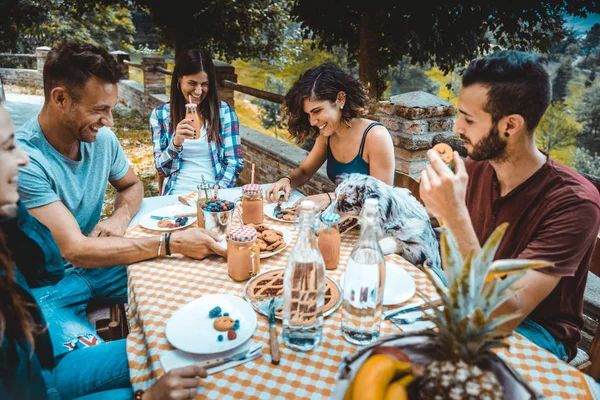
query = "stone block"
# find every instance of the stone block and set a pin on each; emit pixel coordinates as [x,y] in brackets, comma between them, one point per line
[407,155]
[40,54]
[411,142]
[420,105]
[412,168]
[440,124]
[399,124]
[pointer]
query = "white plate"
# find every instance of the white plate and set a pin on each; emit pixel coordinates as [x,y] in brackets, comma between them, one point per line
[168,211]
[287,238]
[190,329]
[270,207]
[399,285]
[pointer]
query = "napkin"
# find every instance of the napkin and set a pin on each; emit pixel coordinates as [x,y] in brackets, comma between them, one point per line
[176,358]
[415,326]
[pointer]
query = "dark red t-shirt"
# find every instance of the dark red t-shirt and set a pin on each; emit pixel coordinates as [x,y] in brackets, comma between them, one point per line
[553,216]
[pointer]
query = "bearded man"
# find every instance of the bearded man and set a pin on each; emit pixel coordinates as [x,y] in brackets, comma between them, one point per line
[552,211]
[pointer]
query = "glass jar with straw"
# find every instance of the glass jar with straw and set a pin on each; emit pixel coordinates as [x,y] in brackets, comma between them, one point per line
[203,195]
[252,202]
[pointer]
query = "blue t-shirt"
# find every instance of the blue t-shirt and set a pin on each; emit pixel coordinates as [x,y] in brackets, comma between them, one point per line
[80,185]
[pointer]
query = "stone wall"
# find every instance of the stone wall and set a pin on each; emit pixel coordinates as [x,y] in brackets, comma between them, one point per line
[22,77]
[132,94]
[413,119]
[274,158]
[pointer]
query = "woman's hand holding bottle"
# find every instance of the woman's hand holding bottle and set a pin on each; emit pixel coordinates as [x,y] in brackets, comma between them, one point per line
[183,131]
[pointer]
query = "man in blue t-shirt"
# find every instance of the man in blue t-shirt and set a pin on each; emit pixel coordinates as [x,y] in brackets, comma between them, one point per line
[74,155]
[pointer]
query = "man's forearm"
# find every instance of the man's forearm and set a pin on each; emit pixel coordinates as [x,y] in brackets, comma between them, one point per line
[128,201]
[111,251]
[462,229]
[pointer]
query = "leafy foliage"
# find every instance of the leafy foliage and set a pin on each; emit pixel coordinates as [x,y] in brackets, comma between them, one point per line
[454,31]
[229,29]
[592,39]
[270,113]
[555,130]
[588,112]
[585,162]
[107,25]
[406,78]
[560,83]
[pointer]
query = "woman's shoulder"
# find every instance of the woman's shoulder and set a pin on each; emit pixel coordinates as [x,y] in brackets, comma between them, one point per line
[378,133]
[164,110]
[225,108]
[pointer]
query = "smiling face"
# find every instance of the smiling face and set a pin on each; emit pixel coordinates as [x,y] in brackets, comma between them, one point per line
[11,158]
[90,110]
[194,86]
[481,136]
[323,114]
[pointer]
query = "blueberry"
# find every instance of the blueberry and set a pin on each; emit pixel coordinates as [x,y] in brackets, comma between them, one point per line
[220,338]
[226,314]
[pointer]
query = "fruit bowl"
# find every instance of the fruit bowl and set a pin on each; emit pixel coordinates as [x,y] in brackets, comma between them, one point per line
[420,348]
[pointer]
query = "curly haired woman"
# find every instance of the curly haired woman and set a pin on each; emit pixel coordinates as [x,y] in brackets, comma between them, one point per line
[328,104]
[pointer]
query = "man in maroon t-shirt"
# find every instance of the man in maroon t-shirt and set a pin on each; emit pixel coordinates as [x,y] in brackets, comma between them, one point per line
[552,211]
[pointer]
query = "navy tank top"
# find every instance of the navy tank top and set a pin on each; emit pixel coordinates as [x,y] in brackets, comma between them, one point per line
[357,165]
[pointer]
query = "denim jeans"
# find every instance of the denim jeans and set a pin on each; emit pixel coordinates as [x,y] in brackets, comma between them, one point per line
[541,337]
[84,363]
[96,372]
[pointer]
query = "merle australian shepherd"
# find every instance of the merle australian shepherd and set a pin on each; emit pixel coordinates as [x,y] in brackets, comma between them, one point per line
[406,227]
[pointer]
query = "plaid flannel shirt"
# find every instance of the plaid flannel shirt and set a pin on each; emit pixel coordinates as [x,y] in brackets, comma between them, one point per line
[227,159]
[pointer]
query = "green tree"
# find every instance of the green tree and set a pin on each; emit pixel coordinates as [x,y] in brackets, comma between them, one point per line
[588,113]
[560,83]
[585,162]
[448,33]
[590,79]
[269,112]
[564,47]
[105,25]
[228,28]
[18,15]
[592,39]
[406,78]
[555,129]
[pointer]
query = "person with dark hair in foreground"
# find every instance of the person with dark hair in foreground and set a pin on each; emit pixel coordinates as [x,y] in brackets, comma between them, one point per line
[552,211]
[328,104]
[207,145]
[31,259]
[74,155]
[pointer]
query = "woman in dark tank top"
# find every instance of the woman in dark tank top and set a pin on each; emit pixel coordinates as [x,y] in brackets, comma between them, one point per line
[328,104]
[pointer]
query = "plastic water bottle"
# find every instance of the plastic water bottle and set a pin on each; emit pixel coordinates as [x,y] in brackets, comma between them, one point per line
[304,287]
[362,306]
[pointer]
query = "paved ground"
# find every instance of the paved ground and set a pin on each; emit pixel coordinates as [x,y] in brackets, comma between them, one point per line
[22,107]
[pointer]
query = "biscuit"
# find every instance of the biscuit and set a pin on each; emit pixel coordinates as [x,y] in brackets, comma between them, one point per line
[288,217]
[262,244]
[270,236]
[224,323]
[163,223]
[275,245]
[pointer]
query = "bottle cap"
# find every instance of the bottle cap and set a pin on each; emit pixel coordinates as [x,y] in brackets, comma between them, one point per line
[193,105]
[243,233]
[307,205]
[330,218]
[252,188]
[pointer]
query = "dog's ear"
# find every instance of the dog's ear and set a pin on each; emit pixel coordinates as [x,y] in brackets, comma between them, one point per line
[371,191]
[341,178]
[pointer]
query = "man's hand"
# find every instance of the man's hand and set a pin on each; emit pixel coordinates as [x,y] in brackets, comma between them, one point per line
[197,243]
[115,225]
[443,191]
[177,384]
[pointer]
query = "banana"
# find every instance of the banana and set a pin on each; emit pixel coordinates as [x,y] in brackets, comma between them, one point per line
[397,390]
[348,395]
[375,375]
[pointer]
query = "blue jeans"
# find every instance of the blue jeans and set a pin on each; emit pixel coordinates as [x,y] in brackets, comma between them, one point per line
[541,337]
[63,306]
[96,372]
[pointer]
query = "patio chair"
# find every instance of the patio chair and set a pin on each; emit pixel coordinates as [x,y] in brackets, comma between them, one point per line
[110,320]
[406,181]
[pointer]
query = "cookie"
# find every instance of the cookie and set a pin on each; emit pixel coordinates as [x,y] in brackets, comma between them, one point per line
[224,323]
[445,152]
[288,217]
[260,228]
[276,245]
[262,244]
[270,236]
[164,223]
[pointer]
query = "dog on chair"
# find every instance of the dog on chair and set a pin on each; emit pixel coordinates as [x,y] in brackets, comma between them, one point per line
[404,221]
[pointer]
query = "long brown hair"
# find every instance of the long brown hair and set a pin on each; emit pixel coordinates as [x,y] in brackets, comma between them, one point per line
[16,318]
[191,62]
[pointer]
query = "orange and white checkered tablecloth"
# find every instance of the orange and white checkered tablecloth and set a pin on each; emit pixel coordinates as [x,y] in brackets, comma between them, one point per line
[159,287]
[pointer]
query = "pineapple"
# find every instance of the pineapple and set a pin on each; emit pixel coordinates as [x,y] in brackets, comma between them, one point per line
[466,331]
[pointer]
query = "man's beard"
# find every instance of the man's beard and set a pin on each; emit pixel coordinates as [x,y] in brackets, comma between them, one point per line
[490,147]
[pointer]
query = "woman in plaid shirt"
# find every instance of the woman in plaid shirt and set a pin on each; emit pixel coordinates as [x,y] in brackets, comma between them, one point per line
[182,155]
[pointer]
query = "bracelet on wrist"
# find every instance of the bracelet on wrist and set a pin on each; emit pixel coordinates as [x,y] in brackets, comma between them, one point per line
[286,177]
[160,242]
[167,243]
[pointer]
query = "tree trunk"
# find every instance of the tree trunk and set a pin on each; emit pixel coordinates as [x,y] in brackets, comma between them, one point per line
[367,55]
